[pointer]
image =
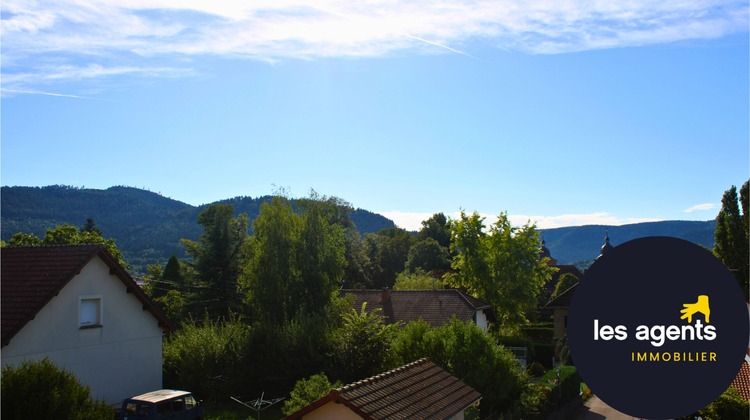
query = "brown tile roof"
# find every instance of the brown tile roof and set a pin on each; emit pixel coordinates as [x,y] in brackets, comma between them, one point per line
[742,381]
[32,276]
[436,307]
[419,390]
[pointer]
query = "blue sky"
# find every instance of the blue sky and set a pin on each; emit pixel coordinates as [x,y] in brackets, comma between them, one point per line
[565,113]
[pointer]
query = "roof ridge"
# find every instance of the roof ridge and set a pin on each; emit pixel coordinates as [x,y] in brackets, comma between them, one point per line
[389,373]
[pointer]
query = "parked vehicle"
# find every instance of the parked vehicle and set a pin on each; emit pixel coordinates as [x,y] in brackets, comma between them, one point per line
[165,404]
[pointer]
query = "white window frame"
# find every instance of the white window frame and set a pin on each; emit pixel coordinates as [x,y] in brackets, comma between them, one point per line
[97,300]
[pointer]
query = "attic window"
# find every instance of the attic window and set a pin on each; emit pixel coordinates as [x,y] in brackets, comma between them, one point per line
[90,310]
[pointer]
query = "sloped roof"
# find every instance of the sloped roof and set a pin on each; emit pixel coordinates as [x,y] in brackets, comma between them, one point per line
[742,381]
[436,307]
[419,390]
[32,276]
[562,301]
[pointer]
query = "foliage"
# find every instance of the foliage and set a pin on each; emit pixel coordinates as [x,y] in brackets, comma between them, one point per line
[90,226]
[217,259]
[306,391]
[501,267]
[470,354]
[564,387]
[361,347]
[731,235]
[41,390]
[416,280]
[173,305]
[151,281]
[535,369]
[436,228]
[533,403]
[67,235]
[427,255]
[388,251]
[729,406]
[147,226]
[208,357]
[295,261]
[565,282]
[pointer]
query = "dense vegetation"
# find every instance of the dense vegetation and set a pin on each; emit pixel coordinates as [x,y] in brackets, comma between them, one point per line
[147,226]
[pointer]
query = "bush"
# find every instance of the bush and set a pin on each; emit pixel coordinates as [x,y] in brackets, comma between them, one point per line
[543,353]
[729,406]
[533,404]
[564,389]
[306,391]
[468,353]
[207,358]
[535,369]
[41,390]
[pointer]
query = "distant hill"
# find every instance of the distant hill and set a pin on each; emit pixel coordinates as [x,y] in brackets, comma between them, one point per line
[147,227]
[583,243]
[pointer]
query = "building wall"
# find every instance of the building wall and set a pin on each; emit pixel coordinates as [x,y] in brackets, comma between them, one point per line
[481,320]
[559,315]
[332,411]
[120,359]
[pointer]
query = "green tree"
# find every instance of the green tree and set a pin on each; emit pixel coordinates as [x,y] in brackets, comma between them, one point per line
[501,267]
[307,391]
[388,249]
[361,348]
[468,353]
[41,390]
[731,235]
[217,259]
[90,226]
[416,280]
[67,235]
[172,278]
[151,281]
[437,228]
[427,255]
[565,282]
[295,261]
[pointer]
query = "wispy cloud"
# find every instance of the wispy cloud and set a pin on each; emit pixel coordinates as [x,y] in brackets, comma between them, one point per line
[412,221]
[702,207]
[33,92]
[94,31]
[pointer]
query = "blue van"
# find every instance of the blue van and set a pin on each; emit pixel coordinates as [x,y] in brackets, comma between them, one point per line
[162,405]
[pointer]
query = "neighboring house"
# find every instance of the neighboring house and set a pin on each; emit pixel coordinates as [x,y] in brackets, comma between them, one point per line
[419,390]
[742,381]
[436,307]
[561,304]
[78,307]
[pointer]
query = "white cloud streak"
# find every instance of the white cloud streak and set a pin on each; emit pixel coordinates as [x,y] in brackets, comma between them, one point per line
[101,31]
[702,207]
[412,221]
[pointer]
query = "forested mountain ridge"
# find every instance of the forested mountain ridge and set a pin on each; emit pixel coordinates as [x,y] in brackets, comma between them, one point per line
[146,226]
[583,243]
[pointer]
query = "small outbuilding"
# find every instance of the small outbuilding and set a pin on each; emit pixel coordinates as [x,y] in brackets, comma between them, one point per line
[419,390]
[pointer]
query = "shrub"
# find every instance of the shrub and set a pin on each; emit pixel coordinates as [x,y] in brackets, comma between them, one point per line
[533,404]
[564,388]
[729,406]
[207,358]
[41,390]
[306,391]
[535,369]
[470,354]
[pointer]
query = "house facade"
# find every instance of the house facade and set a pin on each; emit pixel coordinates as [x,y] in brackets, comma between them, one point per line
[76,306]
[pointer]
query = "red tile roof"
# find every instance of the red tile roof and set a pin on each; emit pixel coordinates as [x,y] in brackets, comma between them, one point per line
[419,390]
[32,276]
[742,381]
[436,307]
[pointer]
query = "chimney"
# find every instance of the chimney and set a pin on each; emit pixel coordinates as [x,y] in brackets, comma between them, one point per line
[385,296]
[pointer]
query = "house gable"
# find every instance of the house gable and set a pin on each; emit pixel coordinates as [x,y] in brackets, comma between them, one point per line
[119,355]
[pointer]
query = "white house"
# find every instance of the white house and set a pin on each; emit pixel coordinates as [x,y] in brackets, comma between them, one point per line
[78,307]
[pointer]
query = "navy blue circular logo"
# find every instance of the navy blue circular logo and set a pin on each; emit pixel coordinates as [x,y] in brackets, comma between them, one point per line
[658,328]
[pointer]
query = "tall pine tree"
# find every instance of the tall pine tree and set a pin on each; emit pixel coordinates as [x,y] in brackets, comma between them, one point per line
[731,234]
